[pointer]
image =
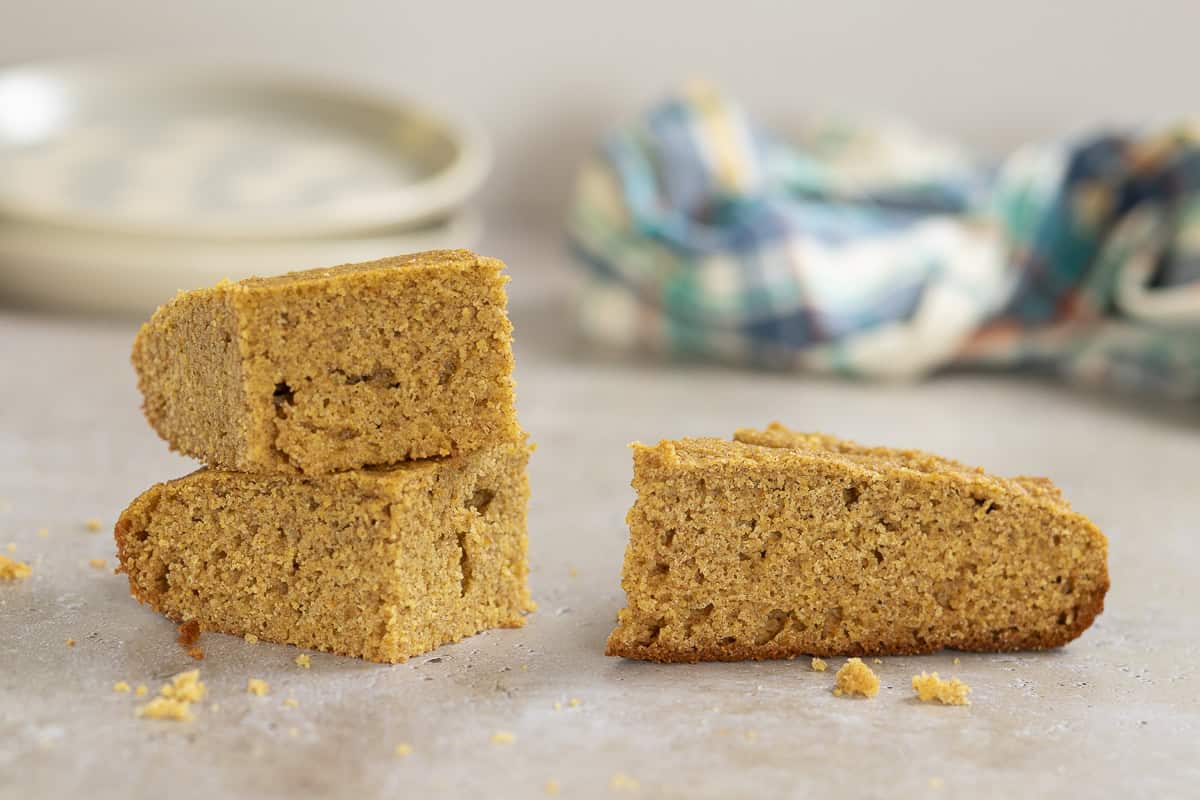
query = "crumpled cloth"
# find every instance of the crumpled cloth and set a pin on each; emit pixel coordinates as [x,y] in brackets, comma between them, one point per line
[880,251]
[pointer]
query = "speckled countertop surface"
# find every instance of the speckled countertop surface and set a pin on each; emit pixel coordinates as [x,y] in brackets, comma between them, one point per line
[1114,713]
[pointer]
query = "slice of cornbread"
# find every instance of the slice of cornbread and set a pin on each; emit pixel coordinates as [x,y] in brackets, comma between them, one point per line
[781,543]
[332,369]
[382,564]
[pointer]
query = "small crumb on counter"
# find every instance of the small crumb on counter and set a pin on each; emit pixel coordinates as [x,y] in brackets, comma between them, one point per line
[166,708]
[92,524]
[575,702]
[214,707]
[141,690]
[957,660]
[250,638]
[98,563]
[43,532]
[620,782]
[936,783]
[855,677]
[175,698]
[557,706]
[403,750]
[574,573]
[70,642]
[11,570]
[819,665]
[877,660]
[552,786]
[185,686]
[293,732]
[196,652]
[188,633]
[292,702]
[257,686]
[11,547]
[121,686]
[930,687]
[503,737]
[303,661]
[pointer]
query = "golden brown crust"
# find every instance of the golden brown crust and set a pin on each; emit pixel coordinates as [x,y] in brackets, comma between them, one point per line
[783,544]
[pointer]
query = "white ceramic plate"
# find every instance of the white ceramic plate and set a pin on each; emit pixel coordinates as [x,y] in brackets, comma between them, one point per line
[221,154]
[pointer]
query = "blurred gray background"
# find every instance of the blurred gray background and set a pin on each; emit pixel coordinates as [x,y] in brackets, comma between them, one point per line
[544,76]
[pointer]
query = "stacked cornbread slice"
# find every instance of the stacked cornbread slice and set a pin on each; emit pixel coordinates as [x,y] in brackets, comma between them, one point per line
[365,492]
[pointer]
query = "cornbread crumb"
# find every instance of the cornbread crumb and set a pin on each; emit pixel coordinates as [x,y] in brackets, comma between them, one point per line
[293,732]
[503,737]
[11,570]
[574,573]
[855,677]
[121,686]
[43,532]
[292,702]
[12,547]
[166,708]
[92,524]
[957,660]
[936,783]
[257,686]
[175,698]
[620,782]
[188,633]
[250,638]
[214,707]
[196,652]
[557,706]
[98,563]
[403,749]
[552,786]
[575,702]
[303,661]
[819,665]
[930,687]
[877,660]
[185,686]
[141,690]
[70,642]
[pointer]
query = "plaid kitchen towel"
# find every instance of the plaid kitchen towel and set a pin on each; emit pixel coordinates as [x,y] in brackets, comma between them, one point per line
[877,251]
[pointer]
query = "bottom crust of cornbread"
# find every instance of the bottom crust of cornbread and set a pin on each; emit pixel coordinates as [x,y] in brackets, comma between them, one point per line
[382,564]
[780,544]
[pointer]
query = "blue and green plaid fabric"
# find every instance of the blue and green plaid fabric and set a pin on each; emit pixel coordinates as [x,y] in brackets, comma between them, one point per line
[877,251]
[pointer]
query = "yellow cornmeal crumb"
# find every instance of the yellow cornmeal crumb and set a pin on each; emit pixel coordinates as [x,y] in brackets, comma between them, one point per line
[574,573]
[166,708]
[935,783]
[141,690]
[70,642]
[557,706]
[304,661]
[257,686]
[292,702]
[293,732]
[750,736]
[43,532]
[575,702]
[175,698]
[957,660]
[214,707]
[552,786]
[403,749]
[620,782]
[877,660]
[185,686]
[12,570]
[503,737]
[120,686]
[98,563]
[250,638]
[930,687]
[12,547]
[92,524]
[819,665]
[855,677]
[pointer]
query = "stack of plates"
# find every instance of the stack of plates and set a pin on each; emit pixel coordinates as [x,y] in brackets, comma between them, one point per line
[120,185]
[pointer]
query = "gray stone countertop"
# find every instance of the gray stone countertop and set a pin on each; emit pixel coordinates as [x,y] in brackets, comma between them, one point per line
[1115,713]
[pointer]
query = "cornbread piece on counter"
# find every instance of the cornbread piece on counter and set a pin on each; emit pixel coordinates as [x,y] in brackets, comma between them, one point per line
[779,543]
[380,563]
[331,369]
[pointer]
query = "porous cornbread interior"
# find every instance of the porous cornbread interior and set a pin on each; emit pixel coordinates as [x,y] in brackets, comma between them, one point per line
[331,369]
[382,564]
[782,543]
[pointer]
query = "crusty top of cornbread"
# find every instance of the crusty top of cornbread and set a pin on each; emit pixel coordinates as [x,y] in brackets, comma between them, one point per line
[778,445]
[433,259]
